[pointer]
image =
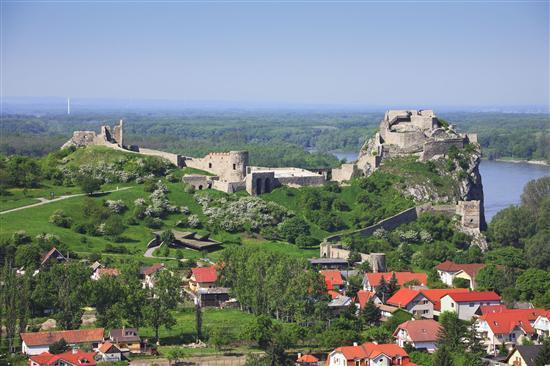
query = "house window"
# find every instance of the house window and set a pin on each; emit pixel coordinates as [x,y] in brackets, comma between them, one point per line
[471,304]
[357,363]
[452,304]
[425,311]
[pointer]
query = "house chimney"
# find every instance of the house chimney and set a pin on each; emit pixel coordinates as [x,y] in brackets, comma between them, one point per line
[75,350]
[299,355]
[355,344]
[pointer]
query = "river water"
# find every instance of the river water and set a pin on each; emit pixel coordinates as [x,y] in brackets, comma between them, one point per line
[503,182]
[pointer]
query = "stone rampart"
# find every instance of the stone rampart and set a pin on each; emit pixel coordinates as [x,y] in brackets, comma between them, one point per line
[345,172]
[440,147]
[404,217]
[175,159]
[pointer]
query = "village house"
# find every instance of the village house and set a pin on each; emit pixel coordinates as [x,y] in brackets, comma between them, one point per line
[467,304]
[423,302]
[523,355]
[333,279]
[126,339]
[339,303]
[509,327]
[542,325]
[413,301]
[203,277]
[307,360]
[420,334]
[109,352]
[213,296]
[363,297]
[147,274]
[449,270]
[74,357]
[53,256]
[39,342]
[104,272]
[372,280]
[368,354]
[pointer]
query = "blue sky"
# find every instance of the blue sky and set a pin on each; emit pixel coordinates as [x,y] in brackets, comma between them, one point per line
[372,53]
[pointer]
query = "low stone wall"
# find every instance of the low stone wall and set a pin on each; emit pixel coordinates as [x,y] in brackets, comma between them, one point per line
[345,172]
[313,180]
[173,158]
[404,217]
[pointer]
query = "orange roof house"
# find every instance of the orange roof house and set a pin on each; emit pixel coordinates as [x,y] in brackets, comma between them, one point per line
[333,278]
[367,354]
[508,326]
[307,360]
[74,357]
[37,342]
[363,297]
[421,334]
[372,280]
[203,277]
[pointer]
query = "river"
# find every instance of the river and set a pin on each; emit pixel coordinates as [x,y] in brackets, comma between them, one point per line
[503,182]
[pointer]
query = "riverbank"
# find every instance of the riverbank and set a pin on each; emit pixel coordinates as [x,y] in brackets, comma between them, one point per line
[519,161]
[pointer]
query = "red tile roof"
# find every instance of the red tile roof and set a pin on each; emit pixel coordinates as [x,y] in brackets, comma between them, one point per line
[505,321]
[363,297]
[48,255]
[333,294]
[424,330]
[335,277]
[70,336]
[475,296]
[470,268]
[149,270]
[435,295]
[307,358]
[371,350]
[402,277]
[403,297]
[491,309]
[76,358]
[106,347]
[205,274]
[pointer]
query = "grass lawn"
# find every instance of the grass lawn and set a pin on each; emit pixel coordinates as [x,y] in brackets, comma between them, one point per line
[184,330]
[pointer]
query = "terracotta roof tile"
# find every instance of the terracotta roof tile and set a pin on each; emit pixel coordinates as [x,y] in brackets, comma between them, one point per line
[505,321]
[424,330]
[76,358]
[70,336]
[475,296]
[335,277]
[307,358]
[404,296]
[363,297]
[205,274]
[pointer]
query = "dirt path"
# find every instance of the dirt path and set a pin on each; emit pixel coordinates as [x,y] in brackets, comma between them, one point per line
[44,201]
[217,360]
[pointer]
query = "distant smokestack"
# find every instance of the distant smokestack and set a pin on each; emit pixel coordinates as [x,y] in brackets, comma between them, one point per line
[68,106]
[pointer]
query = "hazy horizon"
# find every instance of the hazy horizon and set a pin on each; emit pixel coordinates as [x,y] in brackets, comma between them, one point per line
[421,55]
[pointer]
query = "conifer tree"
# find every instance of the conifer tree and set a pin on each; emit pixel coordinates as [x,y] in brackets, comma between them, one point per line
[392,286]
[371,313]
[382,290]
[442,357]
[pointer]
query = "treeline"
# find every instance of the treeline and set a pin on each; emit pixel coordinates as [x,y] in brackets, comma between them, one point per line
[519,136]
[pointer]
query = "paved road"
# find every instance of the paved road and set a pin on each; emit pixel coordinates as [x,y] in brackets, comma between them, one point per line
[44,201]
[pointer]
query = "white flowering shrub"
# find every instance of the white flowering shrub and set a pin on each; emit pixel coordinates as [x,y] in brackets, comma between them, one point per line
[185,210]
[140,202]
[117,206]
[425,236]
[237,214]
[379,233]
[193,221]
[409,236]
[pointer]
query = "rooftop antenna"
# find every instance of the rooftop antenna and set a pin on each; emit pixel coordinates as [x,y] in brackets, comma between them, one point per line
[68,106]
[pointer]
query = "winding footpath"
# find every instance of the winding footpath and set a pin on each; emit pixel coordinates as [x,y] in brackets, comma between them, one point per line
[44,201]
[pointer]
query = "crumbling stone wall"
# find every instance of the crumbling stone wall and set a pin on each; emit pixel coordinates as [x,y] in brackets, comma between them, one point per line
[345,172]
[260,182]
[435,148]
[377,261]
[470,212]
[229,166]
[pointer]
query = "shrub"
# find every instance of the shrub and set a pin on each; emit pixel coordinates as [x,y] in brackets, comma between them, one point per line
[171,178]
[304,241]
[79,228]
[59,218]
[153,222]
[194,221]
[117,206]
[182,223]
[293,227]
[189,189]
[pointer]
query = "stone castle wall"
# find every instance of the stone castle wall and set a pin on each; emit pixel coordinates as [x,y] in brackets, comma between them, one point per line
[229,166]
[377,261]
[345,172]
[404,217]
[175,159]
[440,147]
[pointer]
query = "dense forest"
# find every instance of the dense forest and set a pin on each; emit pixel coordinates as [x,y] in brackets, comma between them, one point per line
[280,138]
